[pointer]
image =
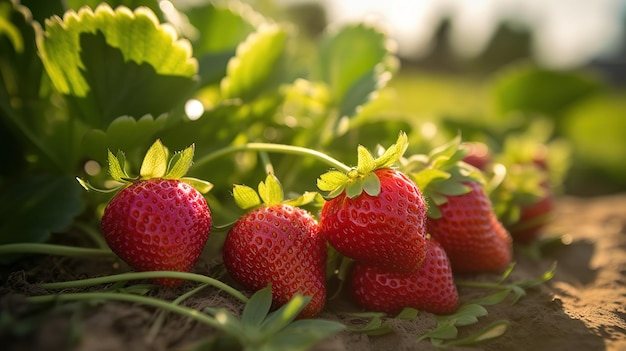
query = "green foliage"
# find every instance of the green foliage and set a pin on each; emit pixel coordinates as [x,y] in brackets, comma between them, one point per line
[260,329]
[81,77]
[361,178]
[441,173]
[529,89]
[355,62]
[35,207]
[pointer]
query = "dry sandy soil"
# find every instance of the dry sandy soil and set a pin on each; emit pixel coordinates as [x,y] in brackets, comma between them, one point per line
[583,307]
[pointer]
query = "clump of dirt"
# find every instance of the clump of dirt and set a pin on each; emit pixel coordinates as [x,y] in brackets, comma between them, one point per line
[583,307]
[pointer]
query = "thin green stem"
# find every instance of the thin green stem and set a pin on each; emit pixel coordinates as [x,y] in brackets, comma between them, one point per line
[276,148]
[147,275]
[482,285]
[154,330]
[144,300]
[53,249]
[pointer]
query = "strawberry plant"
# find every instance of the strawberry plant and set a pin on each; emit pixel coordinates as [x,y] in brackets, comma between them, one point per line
[80,80]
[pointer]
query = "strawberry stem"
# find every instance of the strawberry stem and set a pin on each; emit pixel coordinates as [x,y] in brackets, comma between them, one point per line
[151,301]
[147,275]
[53,249]
[158,323]
[277,148]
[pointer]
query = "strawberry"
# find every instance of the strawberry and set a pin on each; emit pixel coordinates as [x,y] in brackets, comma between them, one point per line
[278,244]
[158,224]
[524,196]
[460,215]
[478,154]
[533,219]
[158,221]
[431,288]
[375,214]
[471,234]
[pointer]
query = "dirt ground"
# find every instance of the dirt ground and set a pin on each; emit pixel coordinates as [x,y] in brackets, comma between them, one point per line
[583,307]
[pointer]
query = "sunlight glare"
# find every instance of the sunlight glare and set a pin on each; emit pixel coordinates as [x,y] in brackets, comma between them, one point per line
[194,109]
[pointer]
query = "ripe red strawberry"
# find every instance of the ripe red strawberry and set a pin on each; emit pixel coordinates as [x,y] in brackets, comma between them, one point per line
[158,224]
[524,195]
[478,154]
[431,288]
[387,230]
[279,244]
[159,221]
[533,219]
[469,231]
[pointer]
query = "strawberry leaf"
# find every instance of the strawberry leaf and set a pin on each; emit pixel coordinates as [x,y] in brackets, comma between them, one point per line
[444,330]
[374,327]
[303,334]
[355,62]
[271,191]
[154,164]
[282,317]
[245,197]
[123,133]
[424,178]
[491,331]
[466,315]
[256,63]
[408,313]
[257,308]
[180,163]
[36,206]
[60,47]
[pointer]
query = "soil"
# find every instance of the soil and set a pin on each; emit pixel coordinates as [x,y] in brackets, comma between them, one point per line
[583,307]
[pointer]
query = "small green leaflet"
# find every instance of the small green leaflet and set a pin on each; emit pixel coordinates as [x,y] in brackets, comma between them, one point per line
[257,308]
[201,185]
[491,331]
[305,199]
[245,197]
[371,184]
[365,161]
[180,163]
[394,152]
[154,164]
[271,191]
[331,181]
[466,315]
[116,169]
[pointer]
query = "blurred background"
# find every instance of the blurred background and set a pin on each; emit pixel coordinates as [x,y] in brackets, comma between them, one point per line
[556,69]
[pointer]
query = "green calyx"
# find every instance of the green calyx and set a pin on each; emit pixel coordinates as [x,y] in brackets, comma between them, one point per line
[362,177]
[156,164]
[441,173]
[270,192]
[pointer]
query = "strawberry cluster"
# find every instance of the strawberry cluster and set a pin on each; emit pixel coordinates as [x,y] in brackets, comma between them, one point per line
[406,226]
